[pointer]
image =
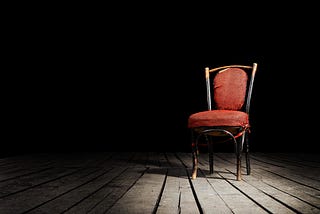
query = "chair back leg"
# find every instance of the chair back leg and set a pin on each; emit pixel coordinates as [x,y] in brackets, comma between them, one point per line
[210,152]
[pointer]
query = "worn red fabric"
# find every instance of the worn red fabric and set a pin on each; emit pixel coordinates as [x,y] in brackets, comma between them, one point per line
[218,118]
[229,88]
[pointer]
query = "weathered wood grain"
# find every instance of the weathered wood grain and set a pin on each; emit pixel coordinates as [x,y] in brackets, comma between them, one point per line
[158,182]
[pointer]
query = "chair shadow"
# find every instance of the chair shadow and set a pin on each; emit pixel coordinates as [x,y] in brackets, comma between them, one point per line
[216,175]
[185,173]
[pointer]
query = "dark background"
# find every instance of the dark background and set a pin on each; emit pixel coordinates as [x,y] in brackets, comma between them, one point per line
[105,79]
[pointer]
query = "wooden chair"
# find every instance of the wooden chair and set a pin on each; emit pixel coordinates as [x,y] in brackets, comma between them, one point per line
[227,116]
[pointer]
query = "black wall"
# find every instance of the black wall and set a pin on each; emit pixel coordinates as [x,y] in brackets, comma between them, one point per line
[91,81]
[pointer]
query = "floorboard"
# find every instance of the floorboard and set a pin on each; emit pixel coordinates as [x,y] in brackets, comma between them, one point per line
[158,182]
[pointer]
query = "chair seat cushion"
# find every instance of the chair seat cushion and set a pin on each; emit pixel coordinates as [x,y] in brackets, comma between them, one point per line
[218,118]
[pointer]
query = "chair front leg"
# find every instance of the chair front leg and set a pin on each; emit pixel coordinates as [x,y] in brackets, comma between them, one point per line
[248,166]
[238,157]
[195,152]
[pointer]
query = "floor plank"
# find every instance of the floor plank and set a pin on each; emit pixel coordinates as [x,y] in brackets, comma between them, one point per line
[158,182]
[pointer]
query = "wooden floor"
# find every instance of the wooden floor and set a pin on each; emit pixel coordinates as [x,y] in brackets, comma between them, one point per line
[153,182]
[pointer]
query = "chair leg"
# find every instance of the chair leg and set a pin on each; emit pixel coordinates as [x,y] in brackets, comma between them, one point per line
[238,158]
[248,165]
[195,152]
[210,152]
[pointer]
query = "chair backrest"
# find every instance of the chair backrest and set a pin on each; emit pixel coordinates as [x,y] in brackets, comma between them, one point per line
[232,86]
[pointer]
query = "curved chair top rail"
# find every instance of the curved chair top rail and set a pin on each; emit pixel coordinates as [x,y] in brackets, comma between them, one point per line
[232,66]
[253,67]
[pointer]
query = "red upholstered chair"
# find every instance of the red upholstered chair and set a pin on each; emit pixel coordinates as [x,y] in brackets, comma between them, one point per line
[227,116]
